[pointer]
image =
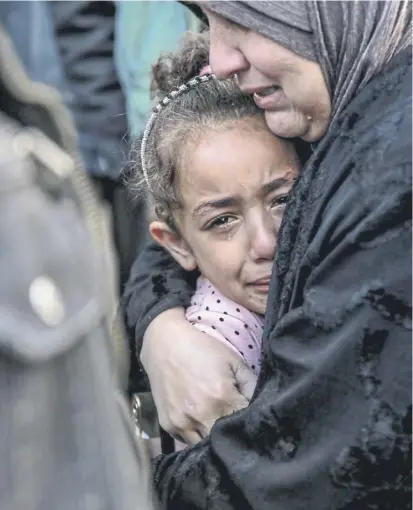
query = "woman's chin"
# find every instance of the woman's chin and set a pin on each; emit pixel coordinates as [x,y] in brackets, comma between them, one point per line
[287,124]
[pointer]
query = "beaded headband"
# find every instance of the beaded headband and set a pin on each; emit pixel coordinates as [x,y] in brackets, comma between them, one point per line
[193,82]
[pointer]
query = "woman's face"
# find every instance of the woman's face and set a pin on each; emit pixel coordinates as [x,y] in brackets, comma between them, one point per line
[290,89]
[234,185]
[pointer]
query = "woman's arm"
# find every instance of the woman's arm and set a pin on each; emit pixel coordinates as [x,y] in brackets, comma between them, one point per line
[194,379]
[157,283]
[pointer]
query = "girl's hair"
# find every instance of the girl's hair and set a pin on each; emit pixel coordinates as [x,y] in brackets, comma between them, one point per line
[183,115]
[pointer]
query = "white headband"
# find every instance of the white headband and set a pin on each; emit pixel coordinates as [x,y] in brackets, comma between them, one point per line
[193,82]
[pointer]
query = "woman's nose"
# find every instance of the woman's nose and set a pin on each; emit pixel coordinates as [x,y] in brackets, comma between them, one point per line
[225,59]
[263,242]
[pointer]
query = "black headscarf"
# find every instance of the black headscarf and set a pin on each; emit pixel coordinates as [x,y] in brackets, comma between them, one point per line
[351,40]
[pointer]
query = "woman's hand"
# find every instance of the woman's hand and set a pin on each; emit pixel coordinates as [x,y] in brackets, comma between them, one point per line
[194,378]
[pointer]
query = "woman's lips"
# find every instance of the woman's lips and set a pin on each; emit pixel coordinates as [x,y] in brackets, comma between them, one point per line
[267,91]
[271,101]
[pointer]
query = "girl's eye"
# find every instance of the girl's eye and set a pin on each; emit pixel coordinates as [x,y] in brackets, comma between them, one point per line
[220,222]
[281,200]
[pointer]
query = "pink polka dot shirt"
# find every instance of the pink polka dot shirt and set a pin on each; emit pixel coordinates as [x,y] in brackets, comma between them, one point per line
[227,321]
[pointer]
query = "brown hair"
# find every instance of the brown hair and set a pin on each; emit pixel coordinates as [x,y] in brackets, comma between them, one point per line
[189,111]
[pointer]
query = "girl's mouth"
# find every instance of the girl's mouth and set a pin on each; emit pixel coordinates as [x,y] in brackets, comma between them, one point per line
[262,285]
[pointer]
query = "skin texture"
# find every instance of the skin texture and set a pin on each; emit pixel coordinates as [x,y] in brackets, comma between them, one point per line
[302,106]
[234,188]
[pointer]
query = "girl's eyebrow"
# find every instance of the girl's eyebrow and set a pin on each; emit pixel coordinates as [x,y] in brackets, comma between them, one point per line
[277,183]
[204,207]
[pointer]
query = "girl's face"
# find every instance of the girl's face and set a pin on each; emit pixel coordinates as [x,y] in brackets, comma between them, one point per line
[234,186]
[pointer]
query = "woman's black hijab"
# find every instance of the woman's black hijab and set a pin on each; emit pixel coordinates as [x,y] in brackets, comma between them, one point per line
[351,40]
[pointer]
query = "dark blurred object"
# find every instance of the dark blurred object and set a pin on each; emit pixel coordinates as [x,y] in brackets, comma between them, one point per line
[85,34]
[197,11]
[85,39]
[66,436]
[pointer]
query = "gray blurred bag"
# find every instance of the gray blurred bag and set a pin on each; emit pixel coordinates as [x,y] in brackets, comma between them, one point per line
[66,439]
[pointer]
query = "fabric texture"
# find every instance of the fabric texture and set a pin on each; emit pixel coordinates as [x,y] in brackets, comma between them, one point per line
[227,321]
[290,25]
[89,35]
[351,41]
[329,425]
[65,440]
[85,33]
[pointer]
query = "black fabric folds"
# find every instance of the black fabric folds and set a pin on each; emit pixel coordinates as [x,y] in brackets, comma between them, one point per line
[329,426]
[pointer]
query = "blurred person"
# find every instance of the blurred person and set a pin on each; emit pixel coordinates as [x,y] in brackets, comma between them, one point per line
[107,49]
[66,438]
[145,30]
[29,24]
[31,28]
[329,424]
[85,35]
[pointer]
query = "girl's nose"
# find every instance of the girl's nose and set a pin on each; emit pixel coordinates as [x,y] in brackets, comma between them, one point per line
[263,241]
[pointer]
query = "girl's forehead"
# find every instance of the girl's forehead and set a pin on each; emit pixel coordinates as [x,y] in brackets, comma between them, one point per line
[237,161]
[237,147]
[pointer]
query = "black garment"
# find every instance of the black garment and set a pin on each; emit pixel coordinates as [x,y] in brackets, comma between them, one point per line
[156,283]
[85,38]
[85,34]
[329,426]
[66,440]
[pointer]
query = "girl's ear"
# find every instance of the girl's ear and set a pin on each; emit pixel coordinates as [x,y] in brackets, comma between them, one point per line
[174,243]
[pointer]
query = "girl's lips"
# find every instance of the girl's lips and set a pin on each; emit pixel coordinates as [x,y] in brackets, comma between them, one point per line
[262,285]
[271,102]
[261,288]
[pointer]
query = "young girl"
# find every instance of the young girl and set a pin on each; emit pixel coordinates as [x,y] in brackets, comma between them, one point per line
[219,182]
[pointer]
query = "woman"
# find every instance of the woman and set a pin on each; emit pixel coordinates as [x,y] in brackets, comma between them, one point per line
[329,424]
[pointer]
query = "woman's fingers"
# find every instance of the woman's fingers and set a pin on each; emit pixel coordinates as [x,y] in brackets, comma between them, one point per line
[232,403]
[194,378]
[246,380]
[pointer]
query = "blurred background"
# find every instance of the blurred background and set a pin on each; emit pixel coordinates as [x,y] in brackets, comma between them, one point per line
[98,57]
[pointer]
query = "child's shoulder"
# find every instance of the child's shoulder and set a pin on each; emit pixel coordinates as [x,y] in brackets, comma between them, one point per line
[222,318]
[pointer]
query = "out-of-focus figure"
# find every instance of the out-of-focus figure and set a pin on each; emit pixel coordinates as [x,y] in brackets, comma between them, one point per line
[144,30]
[66,439]
[106,50]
